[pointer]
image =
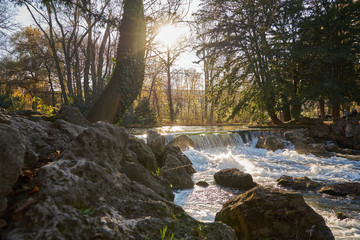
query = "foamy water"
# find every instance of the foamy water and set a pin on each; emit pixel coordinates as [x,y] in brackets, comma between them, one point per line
[217,149]
[265,167]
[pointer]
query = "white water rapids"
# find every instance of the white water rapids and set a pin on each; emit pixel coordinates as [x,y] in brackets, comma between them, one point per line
[216,151]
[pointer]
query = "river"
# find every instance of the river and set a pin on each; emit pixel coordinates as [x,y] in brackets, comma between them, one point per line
[218,148]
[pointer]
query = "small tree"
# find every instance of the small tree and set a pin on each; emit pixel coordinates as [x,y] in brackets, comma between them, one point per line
[144,114]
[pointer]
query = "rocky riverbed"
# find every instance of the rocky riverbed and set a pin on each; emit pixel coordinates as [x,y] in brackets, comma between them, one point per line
[64,178]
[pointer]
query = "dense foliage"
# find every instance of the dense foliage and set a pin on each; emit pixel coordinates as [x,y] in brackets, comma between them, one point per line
[281,55]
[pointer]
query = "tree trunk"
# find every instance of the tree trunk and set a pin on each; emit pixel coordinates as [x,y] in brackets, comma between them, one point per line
[271,111]
[335,110]
[322,109]
[169,91]
[101,79]
[287,114]
[87,65]
[128,75]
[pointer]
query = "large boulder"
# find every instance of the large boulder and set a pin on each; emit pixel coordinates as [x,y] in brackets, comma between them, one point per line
[343,189]
[270,143]
[12,153]
[156,142]
[84,194]
[177,168]
[183,142]
[234,178]
[263,213]
[296,183]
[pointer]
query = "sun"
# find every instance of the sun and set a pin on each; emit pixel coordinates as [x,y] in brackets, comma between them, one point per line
[170,35]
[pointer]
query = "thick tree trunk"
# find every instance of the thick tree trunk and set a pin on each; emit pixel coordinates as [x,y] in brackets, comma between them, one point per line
[128,75]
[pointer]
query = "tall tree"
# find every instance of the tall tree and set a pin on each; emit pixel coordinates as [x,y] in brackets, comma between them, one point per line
[128,75]
[330,52]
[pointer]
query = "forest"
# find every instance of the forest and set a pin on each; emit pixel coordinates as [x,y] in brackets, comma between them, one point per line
[257,61]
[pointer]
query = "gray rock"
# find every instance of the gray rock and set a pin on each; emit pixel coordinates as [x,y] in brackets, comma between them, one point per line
[156,142]
[12,152]
[68,128]
[234,178]
[331,147]
[103,143]
[142,153]
[303,183]
[85,195]
[338,125]
[72,115]
[273,143]
[311,148]
[270,143]
[342,216]
[202,184]
[349,130]
[343,189]
[320,131]
[262,213]
[43,138]
[177,168]
[296,135]
[183,142]
[137,172]
[260,142]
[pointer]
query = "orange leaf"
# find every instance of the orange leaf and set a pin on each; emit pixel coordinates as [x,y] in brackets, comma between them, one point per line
[34,190]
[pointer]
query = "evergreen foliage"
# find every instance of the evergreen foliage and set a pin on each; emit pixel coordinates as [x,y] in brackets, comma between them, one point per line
[280,55]
[144,114]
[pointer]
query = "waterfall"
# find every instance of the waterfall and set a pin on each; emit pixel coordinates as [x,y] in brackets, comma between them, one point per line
[216,140]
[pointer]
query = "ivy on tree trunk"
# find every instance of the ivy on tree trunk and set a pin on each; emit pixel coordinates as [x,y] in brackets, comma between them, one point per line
[128,75]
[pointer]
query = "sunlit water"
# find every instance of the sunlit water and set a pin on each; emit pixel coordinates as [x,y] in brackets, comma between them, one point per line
[214,152]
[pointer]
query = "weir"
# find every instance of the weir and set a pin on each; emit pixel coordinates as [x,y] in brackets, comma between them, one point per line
[222,140]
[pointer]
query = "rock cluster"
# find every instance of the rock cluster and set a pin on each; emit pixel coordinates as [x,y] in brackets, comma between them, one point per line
[303,183]
[351,189]
[344,132]
[101,186]
[345,189]
[174,166]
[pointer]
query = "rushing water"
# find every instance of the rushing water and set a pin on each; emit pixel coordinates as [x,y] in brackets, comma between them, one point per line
[220,150]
